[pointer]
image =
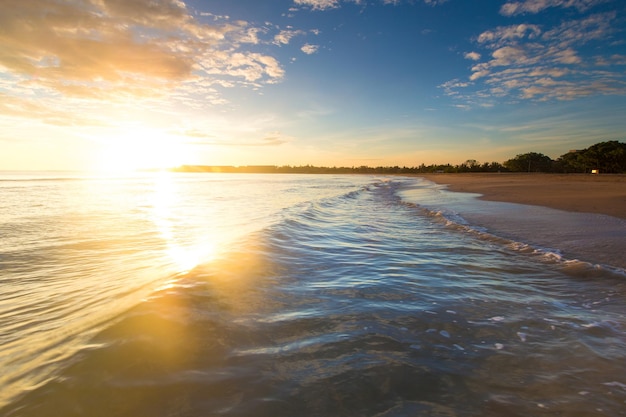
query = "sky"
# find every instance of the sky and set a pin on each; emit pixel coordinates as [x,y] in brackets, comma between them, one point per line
[126,84]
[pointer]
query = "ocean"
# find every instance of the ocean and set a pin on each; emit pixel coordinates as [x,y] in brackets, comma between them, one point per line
[163,294]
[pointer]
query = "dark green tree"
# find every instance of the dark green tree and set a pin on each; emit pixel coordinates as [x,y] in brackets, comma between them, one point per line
[609,157]
[529,162]
[571,162]
[492,167]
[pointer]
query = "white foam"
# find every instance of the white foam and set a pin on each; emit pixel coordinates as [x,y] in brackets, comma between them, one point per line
[615,384]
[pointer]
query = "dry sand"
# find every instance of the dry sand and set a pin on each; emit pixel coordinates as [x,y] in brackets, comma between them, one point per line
[604,194]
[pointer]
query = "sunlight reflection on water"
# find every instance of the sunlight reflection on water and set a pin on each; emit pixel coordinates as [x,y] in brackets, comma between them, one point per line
[185,254]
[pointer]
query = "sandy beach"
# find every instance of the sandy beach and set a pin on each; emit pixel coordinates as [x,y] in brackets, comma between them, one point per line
[604,194]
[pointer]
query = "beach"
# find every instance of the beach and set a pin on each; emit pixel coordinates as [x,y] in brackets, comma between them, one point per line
[602,194]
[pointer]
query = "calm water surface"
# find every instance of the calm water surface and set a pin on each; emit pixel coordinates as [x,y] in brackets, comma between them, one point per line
[283,295]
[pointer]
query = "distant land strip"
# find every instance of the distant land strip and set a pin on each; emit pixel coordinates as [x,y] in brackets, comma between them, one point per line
[603,157]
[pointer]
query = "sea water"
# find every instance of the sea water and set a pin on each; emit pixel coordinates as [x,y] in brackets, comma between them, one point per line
[301,295]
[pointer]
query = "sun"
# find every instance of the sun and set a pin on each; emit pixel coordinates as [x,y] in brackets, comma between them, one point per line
[139,148]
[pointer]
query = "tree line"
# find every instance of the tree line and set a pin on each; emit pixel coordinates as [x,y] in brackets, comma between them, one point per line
[604,157]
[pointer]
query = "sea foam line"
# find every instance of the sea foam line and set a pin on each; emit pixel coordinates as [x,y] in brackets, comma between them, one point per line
[570,266]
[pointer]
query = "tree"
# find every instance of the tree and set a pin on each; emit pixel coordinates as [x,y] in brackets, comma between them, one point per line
[492,167]
[570,162]
[471,165]
[529,162]
[607,157]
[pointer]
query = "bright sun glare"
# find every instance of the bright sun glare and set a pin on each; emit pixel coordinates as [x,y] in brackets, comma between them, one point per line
[139,148]
[185,253]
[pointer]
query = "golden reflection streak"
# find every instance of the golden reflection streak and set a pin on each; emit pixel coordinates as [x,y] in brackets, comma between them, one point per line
[236,279]
[186,254]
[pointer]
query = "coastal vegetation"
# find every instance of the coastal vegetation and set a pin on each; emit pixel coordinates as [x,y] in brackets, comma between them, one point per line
[603,157]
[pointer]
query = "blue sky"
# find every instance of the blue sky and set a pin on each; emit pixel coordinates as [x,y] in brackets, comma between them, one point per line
[121,84]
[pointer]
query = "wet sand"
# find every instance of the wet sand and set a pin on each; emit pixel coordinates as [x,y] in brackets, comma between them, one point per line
[603,194]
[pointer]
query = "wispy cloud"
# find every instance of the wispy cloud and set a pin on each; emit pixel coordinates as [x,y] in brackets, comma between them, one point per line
[203,138]
[273,139]
[14,107]
[528,61]
[535,6]
[474,56]
[509,34]
[285,36]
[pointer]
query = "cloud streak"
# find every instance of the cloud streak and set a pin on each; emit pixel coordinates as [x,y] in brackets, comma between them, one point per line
[334,4]
[536,6]
[209,139]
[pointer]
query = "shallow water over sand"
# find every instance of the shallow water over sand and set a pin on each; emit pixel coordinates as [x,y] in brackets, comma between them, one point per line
[294,295]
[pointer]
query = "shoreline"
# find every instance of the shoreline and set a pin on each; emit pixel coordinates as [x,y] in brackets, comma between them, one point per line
[591,226]
[581,193]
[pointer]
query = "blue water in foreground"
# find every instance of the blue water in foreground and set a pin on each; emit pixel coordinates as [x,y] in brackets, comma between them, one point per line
[299,295]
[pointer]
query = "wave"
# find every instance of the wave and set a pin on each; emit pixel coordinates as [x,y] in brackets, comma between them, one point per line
[313,216]
[551,236]
[573,267]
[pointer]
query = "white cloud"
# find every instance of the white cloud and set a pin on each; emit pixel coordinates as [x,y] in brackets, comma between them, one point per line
[510,55]
[474,56]
[479,73]
[309,49]
[318,4]
[251,35]
[252,67]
